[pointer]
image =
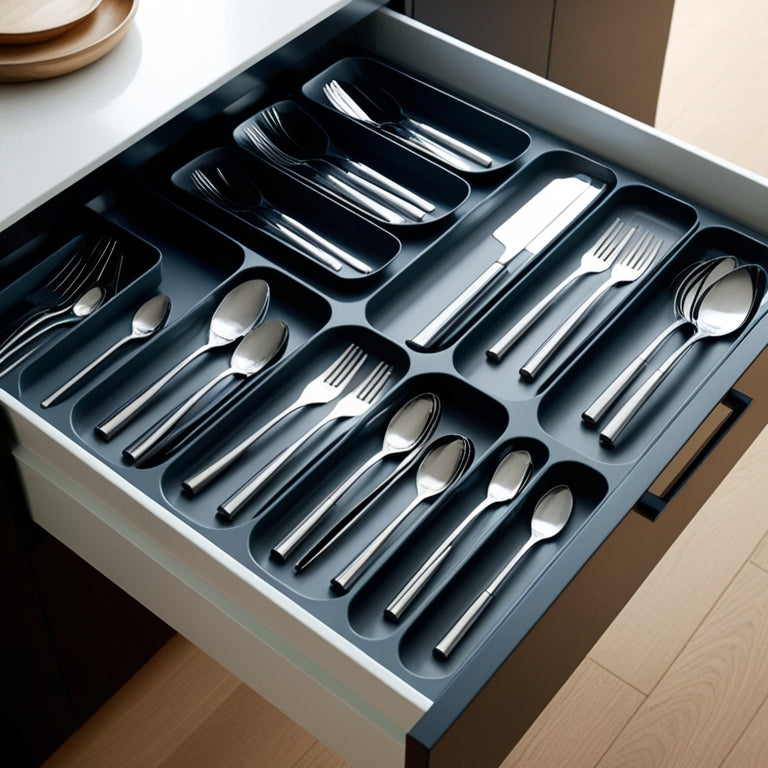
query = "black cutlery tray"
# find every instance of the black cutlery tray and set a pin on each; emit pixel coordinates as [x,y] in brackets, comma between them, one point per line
[184,246]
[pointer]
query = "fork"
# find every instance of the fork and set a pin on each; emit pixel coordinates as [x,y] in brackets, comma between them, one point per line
[322,389]
[633,265]
[222,193]
[355,404]
[598,258]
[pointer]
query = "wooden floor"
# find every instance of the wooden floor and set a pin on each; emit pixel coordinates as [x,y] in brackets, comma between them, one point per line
[680,678]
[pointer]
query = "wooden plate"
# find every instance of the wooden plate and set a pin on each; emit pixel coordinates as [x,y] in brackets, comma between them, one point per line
[82,44]
[32,21]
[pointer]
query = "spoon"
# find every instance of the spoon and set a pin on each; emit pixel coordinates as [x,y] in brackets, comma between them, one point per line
[439,469]
[508,480]
[150,317]
[87,304]
[722,310]
[693,283]
[549,518]
[243,307]
[256,351]
[413,423]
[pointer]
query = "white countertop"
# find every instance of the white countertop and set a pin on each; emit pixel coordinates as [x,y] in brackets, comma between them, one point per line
[53,132]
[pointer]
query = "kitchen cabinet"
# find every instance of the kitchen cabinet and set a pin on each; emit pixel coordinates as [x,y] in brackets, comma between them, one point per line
[371,690]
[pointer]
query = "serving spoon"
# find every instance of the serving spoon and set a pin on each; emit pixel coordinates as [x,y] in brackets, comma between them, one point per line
[549,518]
[149,318]
[242,308]
[408,428]
[508,480]
[254,353]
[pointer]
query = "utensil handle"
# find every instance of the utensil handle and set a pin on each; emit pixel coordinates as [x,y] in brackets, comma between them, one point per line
[346,191]
[232,506]
[306,247]
[137,450]
[25,342]
[108,428]
[400,603]
[19,333]
[393,201]
[342,583]
[545,352]
[510,338]
[481,158]
[282,550]
[82,373]
[401,192]
[626,413]
[594,414]
[427,147]
[431,334]
[445,647]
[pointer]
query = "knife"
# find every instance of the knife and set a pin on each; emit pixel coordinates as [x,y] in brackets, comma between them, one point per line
[524,235]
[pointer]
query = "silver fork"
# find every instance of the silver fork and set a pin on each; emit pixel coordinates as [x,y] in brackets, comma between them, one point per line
[322,389]
[598,258]
[354,404]
[636,259]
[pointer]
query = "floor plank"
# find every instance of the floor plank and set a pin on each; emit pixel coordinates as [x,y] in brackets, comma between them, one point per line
[751,750]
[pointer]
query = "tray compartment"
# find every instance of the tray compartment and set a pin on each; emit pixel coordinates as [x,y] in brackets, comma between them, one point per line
[637,205]
[345,229]
[645,317]
[465,411]
[502,141]
[409,301]
[269,399]
[444,189]
[427,627]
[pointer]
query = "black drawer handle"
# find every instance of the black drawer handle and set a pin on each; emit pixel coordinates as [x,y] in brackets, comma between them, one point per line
[652,505]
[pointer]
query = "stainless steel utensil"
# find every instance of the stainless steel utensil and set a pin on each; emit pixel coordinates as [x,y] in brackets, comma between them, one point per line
[531,229]
[242,308]
[508,480]
[354,404]
[255,352]
[635,261]
[549,518]
[408,428]
[724,309]
[439,469]
[149,318]
[322,389]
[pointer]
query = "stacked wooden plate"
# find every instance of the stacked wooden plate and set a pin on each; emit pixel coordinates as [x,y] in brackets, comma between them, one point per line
[46,38]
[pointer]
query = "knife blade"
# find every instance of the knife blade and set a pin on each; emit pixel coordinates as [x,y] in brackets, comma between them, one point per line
[526,233]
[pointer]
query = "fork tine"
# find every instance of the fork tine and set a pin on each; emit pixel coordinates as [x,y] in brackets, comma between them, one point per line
[89,270]
[352,365]
[603,247]
[374,382]
[328,374]
[629,259]
[652,248]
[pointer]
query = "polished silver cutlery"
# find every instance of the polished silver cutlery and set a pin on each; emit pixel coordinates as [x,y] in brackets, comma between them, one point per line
[353,405]
[411,425]
[531,229]
[243,307]
[257,349]
[442,466]
[598,258]
[509,479]
[696,279]
[325,387]
[149,318]
[549,518]
[636,258]
[723,309]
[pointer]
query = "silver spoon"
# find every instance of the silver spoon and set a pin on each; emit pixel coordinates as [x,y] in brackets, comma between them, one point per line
[723,309]
[149,318]
[508,480]
[86,305]
[407,429]
[549,518]
[439,469]
[242,308]
[256,351]
[699,278]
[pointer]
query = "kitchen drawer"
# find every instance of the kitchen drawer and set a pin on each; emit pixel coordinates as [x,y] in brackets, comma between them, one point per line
[371,689]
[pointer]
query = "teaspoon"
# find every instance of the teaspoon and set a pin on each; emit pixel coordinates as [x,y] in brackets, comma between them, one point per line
[508,480]
[549,518]
[150,317]
[242,308]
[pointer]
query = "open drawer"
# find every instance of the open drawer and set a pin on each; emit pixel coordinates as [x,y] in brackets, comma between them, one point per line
[373,689]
